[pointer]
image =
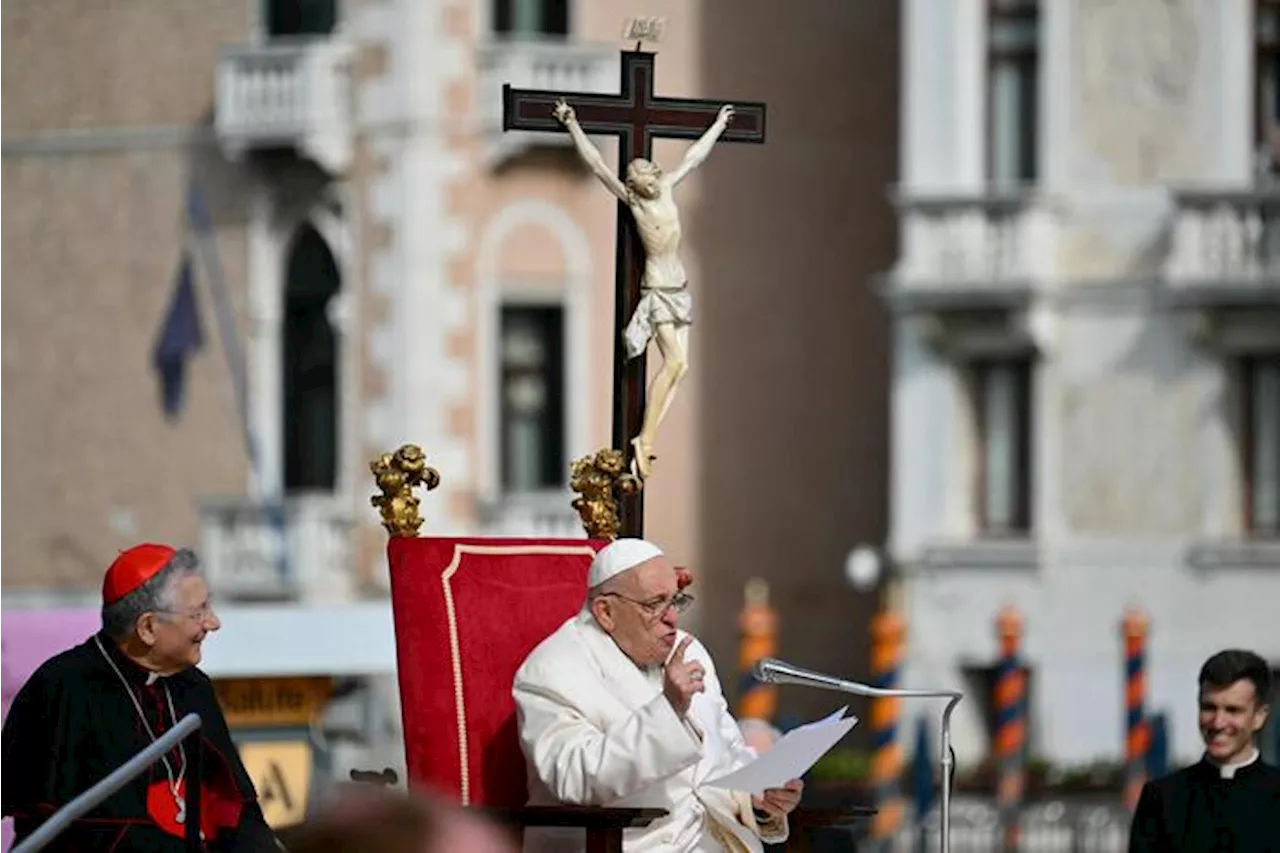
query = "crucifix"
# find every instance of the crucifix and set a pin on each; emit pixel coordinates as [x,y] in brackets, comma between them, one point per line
[636,116]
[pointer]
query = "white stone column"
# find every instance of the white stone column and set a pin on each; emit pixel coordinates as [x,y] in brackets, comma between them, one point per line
[264,344]
[1227,99]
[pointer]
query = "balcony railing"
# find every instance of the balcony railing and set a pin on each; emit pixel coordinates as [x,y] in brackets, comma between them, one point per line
[964,241]
[536,65]
[298,550]
[1226,239]
[544,515]
[288,94]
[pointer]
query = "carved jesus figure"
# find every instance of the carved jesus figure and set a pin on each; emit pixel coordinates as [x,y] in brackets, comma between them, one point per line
[665,310]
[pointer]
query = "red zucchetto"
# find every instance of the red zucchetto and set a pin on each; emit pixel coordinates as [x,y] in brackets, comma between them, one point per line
[132,569]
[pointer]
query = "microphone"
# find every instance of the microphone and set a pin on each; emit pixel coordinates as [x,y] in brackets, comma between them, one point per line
[771,671]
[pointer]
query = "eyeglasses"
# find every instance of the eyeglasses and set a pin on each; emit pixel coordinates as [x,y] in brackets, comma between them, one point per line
[201,614]
[655,608]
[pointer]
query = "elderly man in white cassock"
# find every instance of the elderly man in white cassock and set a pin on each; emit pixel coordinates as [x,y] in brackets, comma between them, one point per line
[621,708]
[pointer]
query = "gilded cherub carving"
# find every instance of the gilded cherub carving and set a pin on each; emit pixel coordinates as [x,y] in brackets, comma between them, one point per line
[396,474]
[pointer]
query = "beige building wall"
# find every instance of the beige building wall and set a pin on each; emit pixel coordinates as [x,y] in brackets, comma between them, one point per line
[792,435]
[102,106]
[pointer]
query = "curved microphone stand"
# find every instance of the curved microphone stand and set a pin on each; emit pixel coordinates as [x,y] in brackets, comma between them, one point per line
[773,671]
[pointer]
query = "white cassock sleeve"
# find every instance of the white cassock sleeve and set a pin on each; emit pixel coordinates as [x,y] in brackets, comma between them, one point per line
[581,764]
[773,831]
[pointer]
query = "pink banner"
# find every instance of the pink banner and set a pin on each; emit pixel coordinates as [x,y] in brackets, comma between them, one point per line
[27,639]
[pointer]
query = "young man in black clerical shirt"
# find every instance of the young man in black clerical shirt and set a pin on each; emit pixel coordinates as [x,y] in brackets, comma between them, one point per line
[1228,802]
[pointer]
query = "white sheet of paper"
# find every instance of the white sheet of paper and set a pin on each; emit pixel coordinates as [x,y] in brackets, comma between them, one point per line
[791,757]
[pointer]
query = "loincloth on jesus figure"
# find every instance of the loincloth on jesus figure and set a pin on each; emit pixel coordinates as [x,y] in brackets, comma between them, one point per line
[657,305]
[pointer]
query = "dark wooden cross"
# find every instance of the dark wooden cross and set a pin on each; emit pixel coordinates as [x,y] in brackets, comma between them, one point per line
[636,117]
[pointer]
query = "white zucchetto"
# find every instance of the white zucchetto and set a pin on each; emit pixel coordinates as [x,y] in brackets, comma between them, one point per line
[619,556]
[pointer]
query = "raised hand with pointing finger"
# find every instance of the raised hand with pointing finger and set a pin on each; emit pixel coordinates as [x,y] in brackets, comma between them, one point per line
[681,679]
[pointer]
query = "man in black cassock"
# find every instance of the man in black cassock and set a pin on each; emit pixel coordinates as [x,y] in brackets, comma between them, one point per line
[90,709]
[1229,802]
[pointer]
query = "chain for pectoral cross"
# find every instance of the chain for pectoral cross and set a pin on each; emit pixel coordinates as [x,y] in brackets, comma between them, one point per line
[175,781]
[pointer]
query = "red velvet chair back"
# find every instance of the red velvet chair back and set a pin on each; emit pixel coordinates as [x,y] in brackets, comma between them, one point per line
[467,613]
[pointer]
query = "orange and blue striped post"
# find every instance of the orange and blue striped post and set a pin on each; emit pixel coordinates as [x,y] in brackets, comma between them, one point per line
[758,626]
[888,632]
[1011,725]
[1137,736]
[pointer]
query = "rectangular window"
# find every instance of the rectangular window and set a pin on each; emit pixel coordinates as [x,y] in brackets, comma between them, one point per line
[1013,35]
[532,404]
[285,18]
[531,17]
[1262,445]
[1266,77]
[1003,403]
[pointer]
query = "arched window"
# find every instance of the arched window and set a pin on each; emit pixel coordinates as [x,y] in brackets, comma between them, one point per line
[310,365]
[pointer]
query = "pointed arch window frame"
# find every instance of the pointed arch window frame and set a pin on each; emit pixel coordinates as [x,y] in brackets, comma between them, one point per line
[270,233]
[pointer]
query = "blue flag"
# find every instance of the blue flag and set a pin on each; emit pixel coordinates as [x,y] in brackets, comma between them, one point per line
[179,338]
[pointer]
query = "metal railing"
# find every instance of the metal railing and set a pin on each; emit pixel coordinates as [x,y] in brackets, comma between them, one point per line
[187,727]
[1063,825]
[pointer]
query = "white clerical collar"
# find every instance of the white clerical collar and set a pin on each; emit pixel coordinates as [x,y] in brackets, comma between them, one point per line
[1228,771]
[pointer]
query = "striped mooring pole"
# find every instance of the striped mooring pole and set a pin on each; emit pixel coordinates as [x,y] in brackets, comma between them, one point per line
[888,633]
[1011,725]
[758,626]
[1137,735]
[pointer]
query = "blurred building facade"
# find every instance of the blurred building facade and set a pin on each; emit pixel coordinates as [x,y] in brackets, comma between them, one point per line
[372,261]
[1086,377]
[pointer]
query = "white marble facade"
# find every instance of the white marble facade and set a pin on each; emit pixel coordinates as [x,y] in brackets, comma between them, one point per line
[1138,493]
